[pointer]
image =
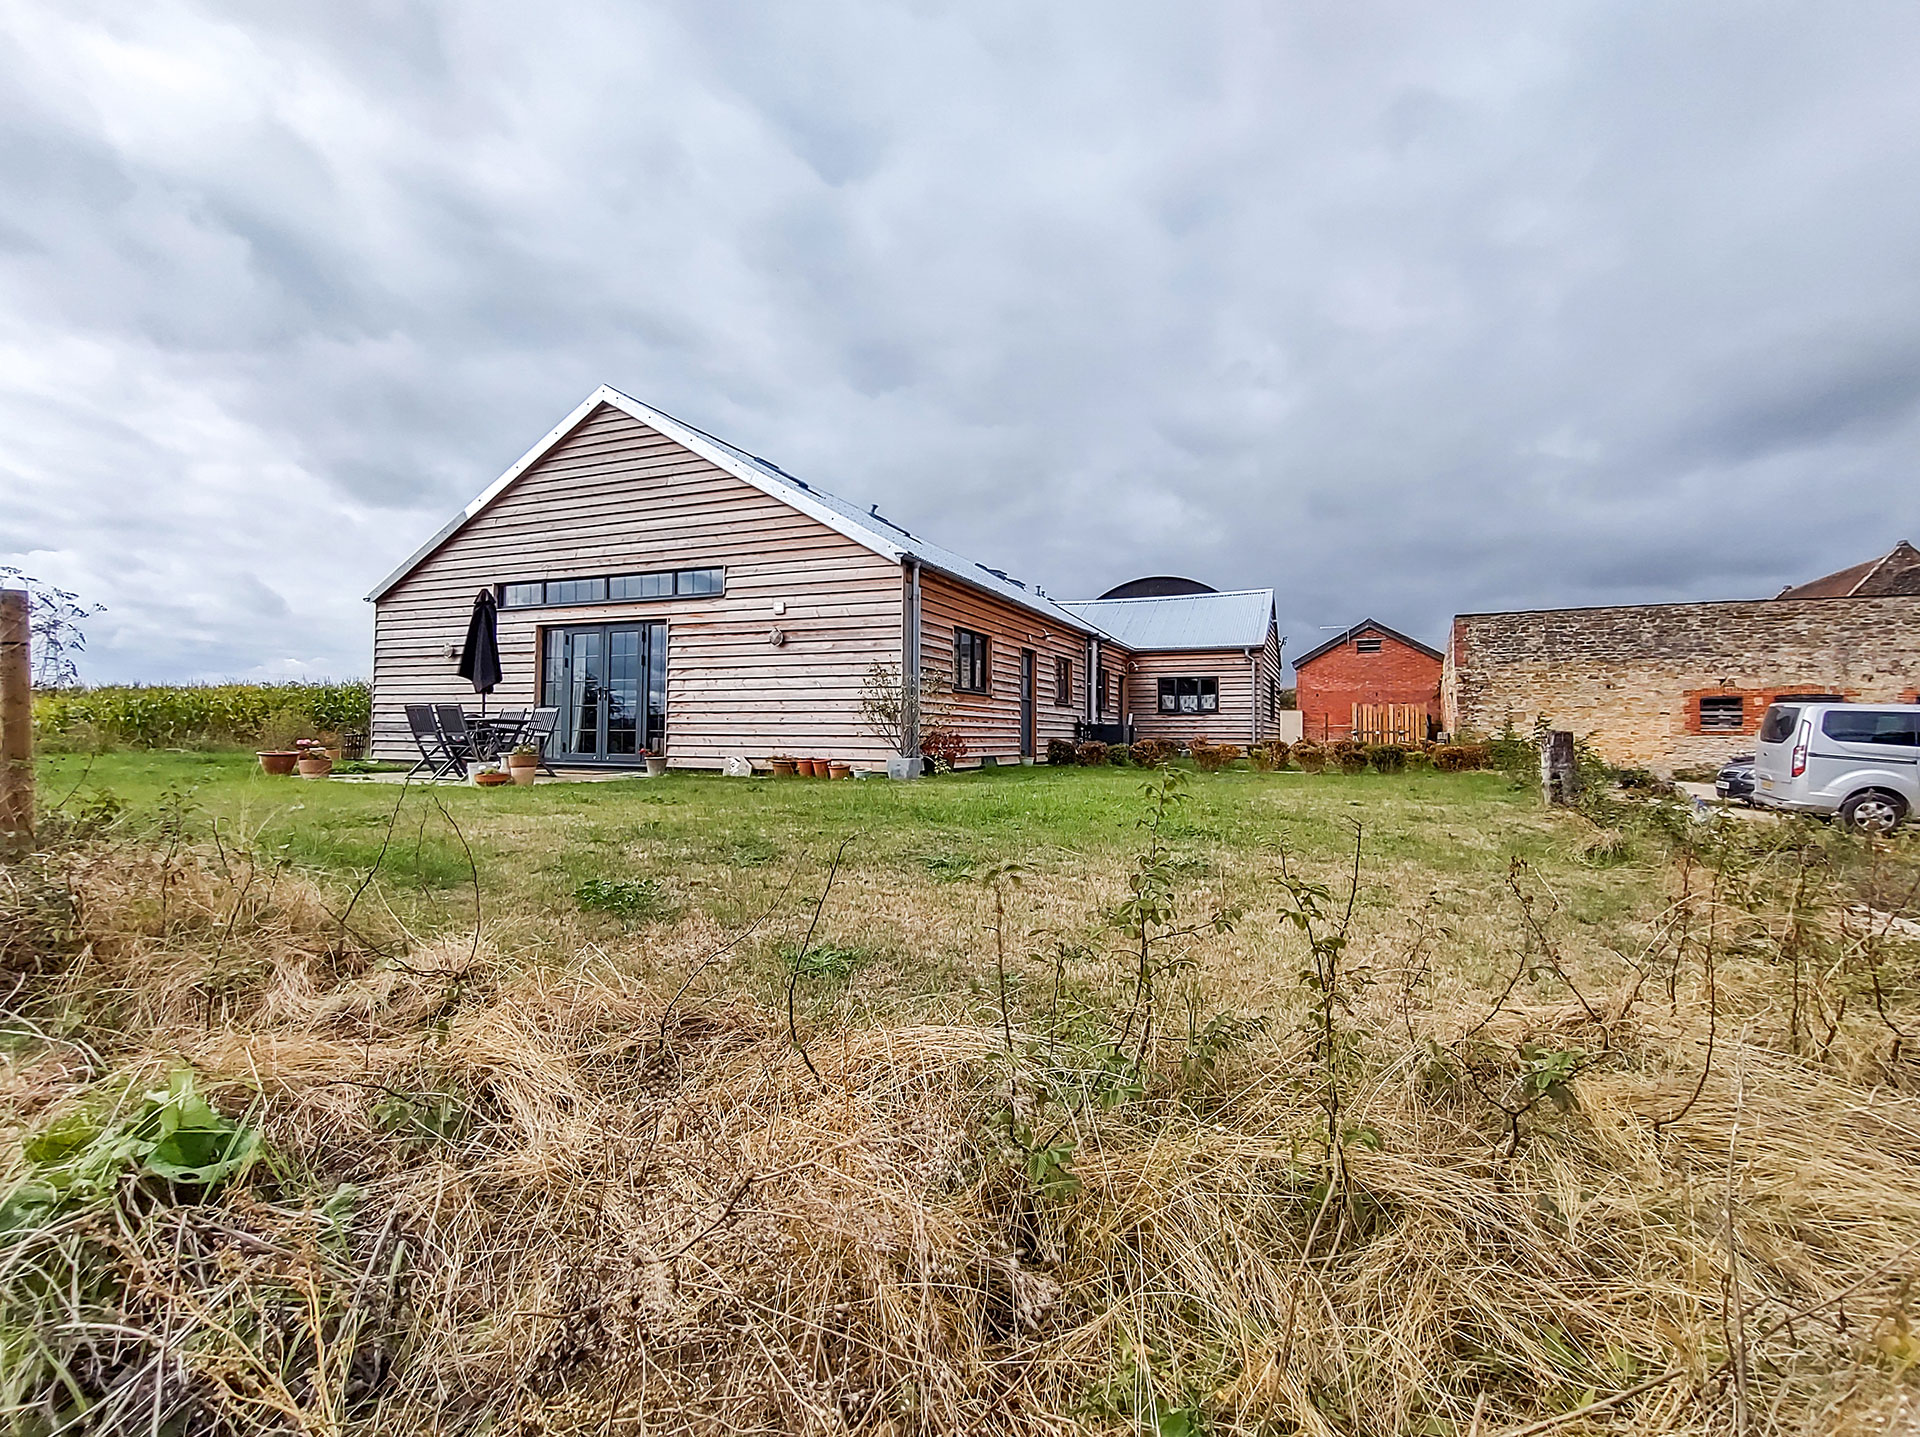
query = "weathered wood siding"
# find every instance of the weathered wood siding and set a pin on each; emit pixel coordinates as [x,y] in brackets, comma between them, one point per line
[991,721]
[617,496]
[1238,674]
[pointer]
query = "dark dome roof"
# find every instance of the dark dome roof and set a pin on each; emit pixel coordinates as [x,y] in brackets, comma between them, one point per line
[1159,586]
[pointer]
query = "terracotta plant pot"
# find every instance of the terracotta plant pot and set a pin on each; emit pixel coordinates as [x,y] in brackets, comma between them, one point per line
[492,780]
[522,760]
[782,767]
[522,774]
[315,767]
[813,768]
[840,770]
[278,762]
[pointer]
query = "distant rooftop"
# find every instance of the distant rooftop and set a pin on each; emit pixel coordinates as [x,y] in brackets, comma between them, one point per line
[1205,620]
[1158,586]
[1895,572]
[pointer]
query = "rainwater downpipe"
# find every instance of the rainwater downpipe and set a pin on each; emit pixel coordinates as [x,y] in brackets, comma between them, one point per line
[910,662]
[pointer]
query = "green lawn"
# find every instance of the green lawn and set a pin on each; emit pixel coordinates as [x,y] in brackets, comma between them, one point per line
[1436,852]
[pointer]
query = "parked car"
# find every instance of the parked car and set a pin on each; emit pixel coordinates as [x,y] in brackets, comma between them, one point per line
[1859,763]
[1735,779]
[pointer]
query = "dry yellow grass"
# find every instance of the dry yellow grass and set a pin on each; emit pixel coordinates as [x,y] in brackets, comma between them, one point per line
[639,1209]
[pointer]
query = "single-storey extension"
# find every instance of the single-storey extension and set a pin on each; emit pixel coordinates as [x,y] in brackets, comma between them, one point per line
[1683,686]
[667,591]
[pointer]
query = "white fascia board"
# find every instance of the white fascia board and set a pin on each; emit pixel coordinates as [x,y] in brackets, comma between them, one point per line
[674,430]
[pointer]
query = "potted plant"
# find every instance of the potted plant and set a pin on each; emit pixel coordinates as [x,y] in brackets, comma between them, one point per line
[313,758]
[278,761]
[488,775]
[522,763]
[783,765]
[837,769]
[656,762]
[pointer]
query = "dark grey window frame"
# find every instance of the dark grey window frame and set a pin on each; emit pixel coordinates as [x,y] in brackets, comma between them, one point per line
[1206,694]
[972,662]
[682,584]
[1062,682]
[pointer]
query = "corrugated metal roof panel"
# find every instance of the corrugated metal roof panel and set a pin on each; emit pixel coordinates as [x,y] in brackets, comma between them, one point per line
[1237,620]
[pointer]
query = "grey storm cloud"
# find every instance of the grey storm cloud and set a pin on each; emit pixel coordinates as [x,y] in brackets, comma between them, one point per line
[1401,309]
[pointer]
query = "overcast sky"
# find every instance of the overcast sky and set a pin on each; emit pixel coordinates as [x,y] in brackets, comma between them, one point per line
[1402,310]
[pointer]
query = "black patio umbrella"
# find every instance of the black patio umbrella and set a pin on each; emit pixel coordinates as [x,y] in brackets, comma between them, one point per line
[480,656]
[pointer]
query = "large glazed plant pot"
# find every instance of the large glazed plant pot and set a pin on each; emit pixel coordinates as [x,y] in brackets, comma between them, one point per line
[315,767]
[278,762]
[523,774]
[655,766]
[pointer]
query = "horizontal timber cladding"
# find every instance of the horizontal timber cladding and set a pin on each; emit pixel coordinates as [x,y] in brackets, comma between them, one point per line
[990,722]
[1630,679]
[617,496]
[1240,675]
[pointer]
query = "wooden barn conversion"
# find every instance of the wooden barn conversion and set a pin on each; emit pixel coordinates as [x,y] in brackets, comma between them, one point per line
[667,591]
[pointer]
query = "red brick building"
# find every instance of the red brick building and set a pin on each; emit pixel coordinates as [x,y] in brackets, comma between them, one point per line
[1368,664]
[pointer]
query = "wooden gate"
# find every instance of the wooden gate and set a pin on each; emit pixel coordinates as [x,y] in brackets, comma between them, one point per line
[1404,724]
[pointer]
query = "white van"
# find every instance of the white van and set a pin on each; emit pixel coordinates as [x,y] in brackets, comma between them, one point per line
[1860,762]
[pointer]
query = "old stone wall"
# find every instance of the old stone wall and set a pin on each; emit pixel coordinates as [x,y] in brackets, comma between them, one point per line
[1674,686]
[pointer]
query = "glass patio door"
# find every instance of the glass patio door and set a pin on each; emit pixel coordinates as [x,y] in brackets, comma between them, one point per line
[609,683]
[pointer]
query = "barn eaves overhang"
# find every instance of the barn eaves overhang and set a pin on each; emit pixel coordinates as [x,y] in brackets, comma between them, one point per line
[864,527]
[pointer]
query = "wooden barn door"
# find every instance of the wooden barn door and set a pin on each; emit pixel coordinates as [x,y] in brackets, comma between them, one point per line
[1403,724]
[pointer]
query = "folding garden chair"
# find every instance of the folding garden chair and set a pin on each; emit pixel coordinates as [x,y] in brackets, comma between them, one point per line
[540,727]
[436,757]
[452,720]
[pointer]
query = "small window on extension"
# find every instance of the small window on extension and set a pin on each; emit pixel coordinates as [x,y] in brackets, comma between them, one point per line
[699,581]
[1723,713]
[1366,646]
[1189,696]
[1063,683]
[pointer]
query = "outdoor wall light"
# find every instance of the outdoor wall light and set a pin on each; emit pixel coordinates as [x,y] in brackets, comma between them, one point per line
[777,637]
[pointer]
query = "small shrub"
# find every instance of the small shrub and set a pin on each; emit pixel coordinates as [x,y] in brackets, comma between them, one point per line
[630,898]
[1152,752]
[1311,757]
[1387,757]
[1268,756]
[1117,755]
[1462,757]
[1214,757]
[943,748]
[1090,754]
[1060,752]
[1348,756]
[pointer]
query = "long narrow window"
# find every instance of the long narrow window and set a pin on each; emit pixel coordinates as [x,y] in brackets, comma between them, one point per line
[1100,691]
[969,661]
[1063,683]
[613,588]
[1189,696]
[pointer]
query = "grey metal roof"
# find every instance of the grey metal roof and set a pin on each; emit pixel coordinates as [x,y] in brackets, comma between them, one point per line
[1236,620]
[863,526]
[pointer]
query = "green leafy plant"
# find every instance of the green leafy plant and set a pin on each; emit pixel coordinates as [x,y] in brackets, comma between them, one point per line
[1311,756]
[174,1136]
[1348,756]
[823,960]
[634,899]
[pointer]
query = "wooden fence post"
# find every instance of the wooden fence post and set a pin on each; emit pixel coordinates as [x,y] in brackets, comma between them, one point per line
[16,726]
[1559,770]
